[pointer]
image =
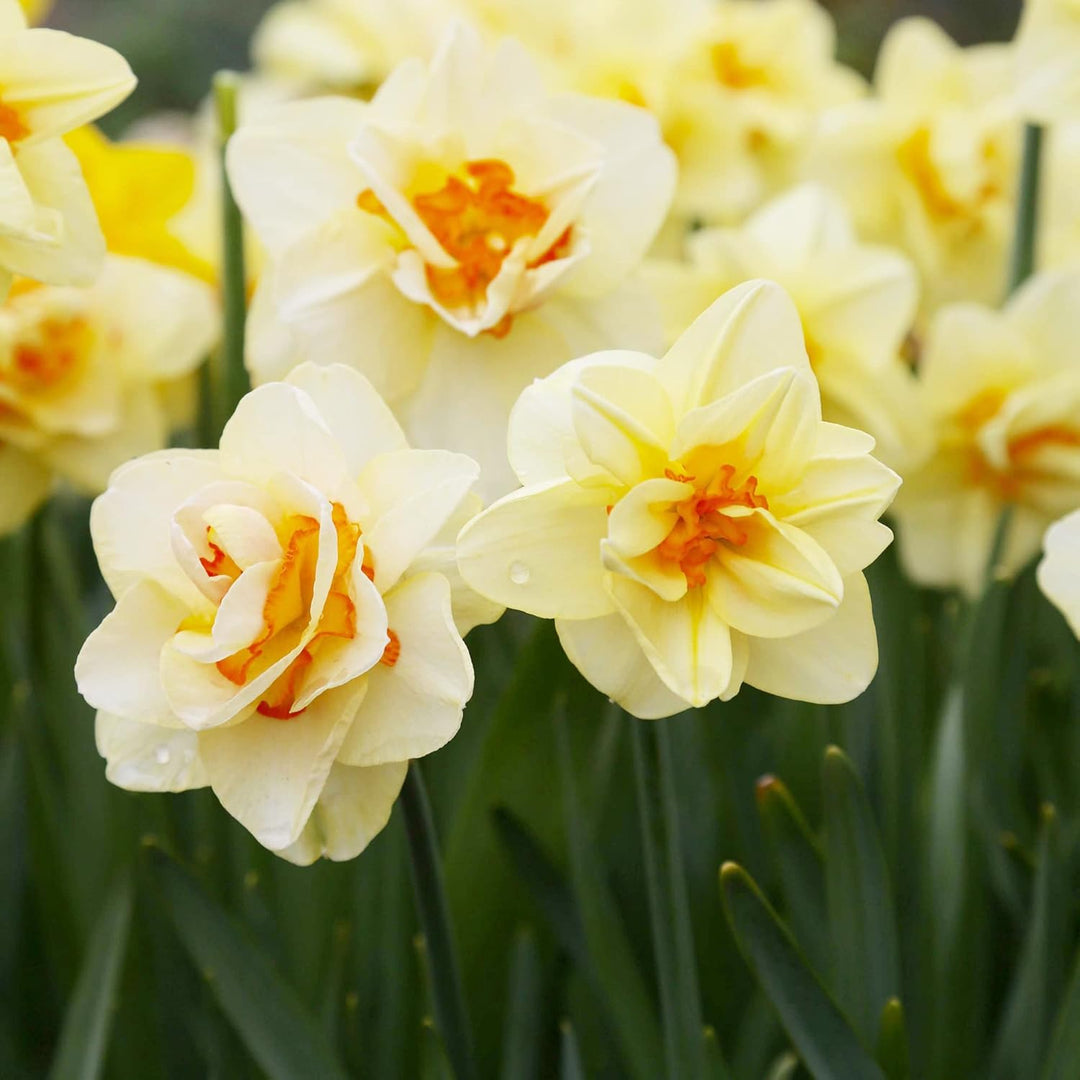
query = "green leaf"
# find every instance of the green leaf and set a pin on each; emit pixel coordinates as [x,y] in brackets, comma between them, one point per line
[818,1030]
[801,865]
[84,1038]
[521,1047]
[1039,980]
[570,1067]
[280,1035]
[892,1043]
[862,923]
[1063,1060]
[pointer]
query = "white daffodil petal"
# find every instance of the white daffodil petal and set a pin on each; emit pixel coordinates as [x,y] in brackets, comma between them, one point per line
[538,550]
[828,665]
[269,773]
[145,757]
[414,705]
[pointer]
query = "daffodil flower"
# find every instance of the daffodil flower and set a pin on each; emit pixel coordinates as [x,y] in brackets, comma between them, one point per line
[857,303]
[456,237]
[928,163]
[1002,391]
[282,631]
[690,523]
[86,375]
[50,83]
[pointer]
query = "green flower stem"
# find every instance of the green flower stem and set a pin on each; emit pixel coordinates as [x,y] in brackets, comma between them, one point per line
[1022,263]
[428,886]
[228,377]
[669,908]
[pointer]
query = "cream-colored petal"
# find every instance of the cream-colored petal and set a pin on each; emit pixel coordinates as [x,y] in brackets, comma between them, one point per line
[291,170]
[352,409]
[801,225]
[828,665]
[750,331]
[541,437]
[411,494]
[780,582]
[628,203]
[622,420]
[243,534]
[131,524]
[686,642]
[538,550]
[1058,573]
[145,757]
[66,246]
[57,81]
[353,808]
[269,773]
[644,516]
[118,669]
[414,706]
[608,655]
[277,428]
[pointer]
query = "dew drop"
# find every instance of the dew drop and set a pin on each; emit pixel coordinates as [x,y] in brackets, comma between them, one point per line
[519,573]
[162,755]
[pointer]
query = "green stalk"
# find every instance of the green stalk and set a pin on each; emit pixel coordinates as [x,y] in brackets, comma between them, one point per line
[434,913]
[1022,262]
[669,908]
[228,377]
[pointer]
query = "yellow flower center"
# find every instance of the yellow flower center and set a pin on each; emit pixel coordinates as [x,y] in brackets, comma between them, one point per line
[12,126]
[477,219]
[287,607]
[733,71]
[48,359]
[702,526]
[918,165]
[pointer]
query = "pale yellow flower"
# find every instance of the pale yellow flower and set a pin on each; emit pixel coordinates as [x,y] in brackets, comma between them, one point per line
[457,237]
[691,523]
[857,303]
[84,375]
[282,631]
[1058,572]
[347,46]
[50,83]
[1002,389]
[928,164]
[1048,60]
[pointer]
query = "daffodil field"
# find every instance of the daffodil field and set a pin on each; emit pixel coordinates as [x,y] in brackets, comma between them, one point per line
[542,540]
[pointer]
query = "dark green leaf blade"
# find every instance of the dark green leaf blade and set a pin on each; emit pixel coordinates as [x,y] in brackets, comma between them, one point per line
[281,1036]
[84,1038]
[813,1021]
[862,922]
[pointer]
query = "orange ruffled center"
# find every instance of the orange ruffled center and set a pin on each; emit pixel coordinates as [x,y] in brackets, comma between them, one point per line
[12,126]
[702,526]
[286,612]
[477,218]
[50,357]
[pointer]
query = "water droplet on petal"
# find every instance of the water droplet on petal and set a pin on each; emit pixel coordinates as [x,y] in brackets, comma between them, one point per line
[519,573]
[162,755]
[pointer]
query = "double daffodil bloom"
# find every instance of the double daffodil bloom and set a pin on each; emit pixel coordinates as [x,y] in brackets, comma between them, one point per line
[1048,60]
[283,631]
[928,163]
[50,83]
[458,236]
[1002,389]
[1058,573]
[857,303]
[690,523]
[85,375]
